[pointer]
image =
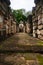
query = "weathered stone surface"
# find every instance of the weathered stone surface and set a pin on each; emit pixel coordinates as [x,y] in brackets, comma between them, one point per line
[19,59]
[37,19]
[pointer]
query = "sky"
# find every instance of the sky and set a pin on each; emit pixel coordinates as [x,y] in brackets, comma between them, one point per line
[22,4]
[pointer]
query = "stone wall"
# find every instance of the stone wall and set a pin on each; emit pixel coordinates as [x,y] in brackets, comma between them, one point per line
[37,20]
[7,21]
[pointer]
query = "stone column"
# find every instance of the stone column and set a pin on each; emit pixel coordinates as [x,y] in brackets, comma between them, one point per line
[1,24]
[28,29]
[13,27]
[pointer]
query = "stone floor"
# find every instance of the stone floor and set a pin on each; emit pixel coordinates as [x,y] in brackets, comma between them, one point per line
[21,38]
[19,59]
[18,40]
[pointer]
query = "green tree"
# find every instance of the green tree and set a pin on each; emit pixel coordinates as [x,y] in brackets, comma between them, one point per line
[19,15]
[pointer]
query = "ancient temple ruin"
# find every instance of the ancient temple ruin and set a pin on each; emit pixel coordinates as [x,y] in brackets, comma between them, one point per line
[37,19]
[33,25]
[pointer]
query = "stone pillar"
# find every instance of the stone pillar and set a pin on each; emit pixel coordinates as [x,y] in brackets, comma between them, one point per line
[13,27]
[24,29]
[34,32]
[17,28]
[1,24]
[6,27]
[28,28]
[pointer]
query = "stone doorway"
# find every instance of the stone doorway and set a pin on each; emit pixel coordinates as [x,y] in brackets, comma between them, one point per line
[36,35]
[21,27]
[21,30]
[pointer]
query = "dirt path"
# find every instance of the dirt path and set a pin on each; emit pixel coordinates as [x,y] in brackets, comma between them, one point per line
[20,38]
[25,39]
[15,41]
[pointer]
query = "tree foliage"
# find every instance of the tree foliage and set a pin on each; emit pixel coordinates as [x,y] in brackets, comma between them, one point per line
[19,15]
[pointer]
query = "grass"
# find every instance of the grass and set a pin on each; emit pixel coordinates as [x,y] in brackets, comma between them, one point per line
[29,56]
[40,59]
[40,42]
